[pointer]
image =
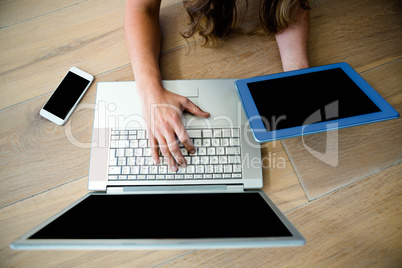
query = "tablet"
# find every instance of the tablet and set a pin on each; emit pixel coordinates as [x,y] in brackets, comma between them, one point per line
[308,101]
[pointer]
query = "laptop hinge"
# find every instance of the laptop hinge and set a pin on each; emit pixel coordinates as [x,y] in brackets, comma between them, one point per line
[175,189]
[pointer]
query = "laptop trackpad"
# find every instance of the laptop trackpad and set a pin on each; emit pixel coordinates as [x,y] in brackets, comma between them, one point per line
[189,92]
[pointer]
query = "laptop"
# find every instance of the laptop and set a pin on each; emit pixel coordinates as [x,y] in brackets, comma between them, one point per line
[215,202]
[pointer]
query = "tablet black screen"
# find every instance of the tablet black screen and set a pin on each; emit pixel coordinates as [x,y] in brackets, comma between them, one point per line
[170,216]
[309,98]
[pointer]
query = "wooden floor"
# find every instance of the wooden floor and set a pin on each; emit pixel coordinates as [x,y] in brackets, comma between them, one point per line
[349,212]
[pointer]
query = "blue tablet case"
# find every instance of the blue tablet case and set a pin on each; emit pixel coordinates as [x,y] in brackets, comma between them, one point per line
[308,101]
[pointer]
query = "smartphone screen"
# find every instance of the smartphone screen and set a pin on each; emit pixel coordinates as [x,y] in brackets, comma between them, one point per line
[66,95]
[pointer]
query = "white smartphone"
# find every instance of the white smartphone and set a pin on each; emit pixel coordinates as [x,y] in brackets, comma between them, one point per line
[67,95]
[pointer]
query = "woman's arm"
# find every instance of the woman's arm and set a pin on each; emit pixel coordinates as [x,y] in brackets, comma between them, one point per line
[161,108]
[293,41]
[143,38]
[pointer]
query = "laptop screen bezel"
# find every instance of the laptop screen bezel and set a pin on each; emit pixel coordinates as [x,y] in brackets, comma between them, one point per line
[296,239]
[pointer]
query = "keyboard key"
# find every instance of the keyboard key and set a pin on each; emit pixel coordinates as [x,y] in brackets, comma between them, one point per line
[151,177]
[135,169]
[216,142]
[113,170]
[144,170]
[113,144]
[220,150]
[234,159]
[153,169]
[206,142]
[223,159]
[123,143]
[141,134]
[120,152]
[205,160]
[181,170]
[236,168]
[234,142]
[227,168]
[202,151]
[209,169]
[211,151]
[141,177]
[133,143]
[232,150]
[225,142]
[226,133]
[217,133]
[183,151]
[214,160]
[142,143]
[197,142]
[195,160]
[146,151]
[137,152]
[235,133]
[190,169]
[140,161]
[194,133]
[207,133]
[163,169]
[113,162]
[218,169]
[125,170]
[149,161]
[200,169]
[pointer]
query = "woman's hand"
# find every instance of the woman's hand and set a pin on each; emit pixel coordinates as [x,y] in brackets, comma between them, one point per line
[163,111]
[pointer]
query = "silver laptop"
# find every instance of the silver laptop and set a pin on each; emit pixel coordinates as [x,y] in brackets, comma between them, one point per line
[212,203]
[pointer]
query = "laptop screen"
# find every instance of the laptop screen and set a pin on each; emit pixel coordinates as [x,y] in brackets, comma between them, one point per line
[291,101]
[168,216]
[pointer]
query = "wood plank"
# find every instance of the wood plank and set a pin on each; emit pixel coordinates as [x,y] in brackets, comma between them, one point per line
[36,54]
[361,151]
[16,11]
[280,180]
[356,32]
[358,225]
[238,56]
[19,218]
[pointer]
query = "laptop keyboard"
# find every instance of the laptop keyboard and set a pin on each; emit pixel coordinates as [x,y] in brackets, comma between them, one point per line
[217,156]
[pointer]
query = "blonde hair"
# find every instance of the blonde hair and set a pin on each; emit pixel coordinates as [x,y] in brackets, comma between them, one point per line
[214,19]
